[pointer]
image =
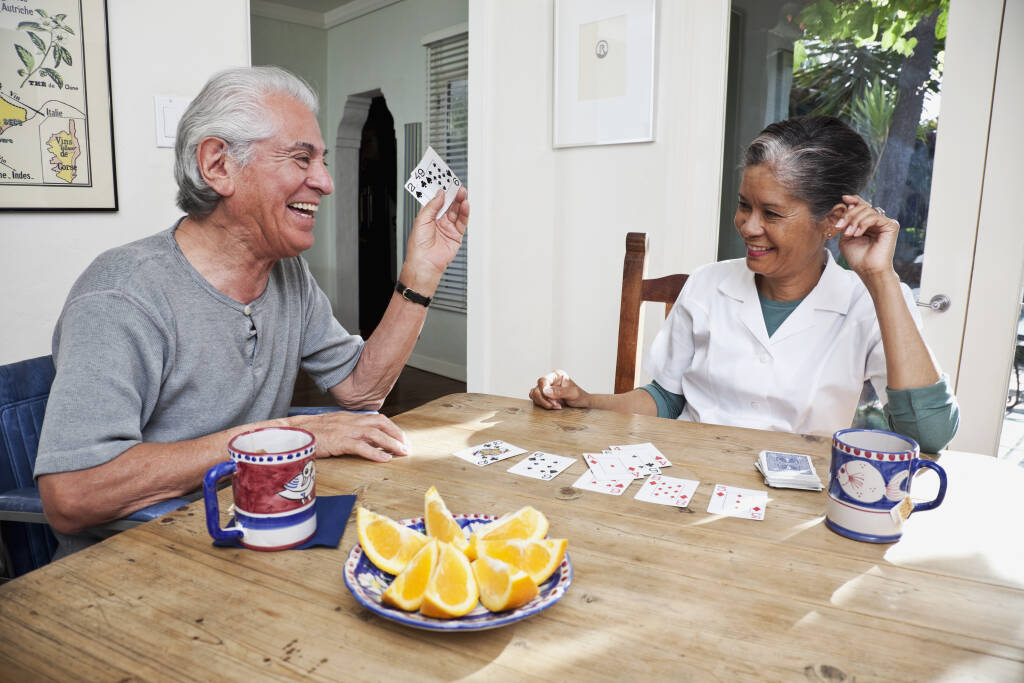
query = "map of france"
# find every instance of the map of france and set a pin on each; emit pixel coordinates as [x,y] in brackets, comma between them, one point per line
[43,120]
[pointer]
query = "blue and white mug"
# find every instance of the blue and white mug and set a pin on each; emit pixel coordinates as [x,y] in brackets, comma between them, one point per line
[871,473]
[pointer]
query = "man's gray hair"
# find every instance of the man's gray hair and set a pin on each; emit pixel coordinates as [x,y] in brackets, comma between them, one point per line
[231,106]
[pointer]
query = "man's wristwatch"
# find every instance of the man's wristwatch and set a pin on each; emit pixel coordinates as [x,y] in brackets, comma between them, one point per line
[412,296]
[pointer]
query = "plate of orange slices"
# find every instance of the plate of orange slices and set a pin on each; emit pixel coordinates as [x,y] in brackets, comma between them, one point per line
[465,572]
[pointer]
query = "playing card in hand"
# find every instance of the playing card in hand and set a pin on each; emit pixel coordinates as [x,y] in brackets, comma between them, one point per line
[541,465]
[429,176]
[489,452]
[733,501]
[667,490]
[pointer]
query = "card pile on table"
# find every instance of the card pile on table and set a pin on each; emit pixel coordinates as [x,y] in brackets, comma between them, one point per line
[613,470]
[788,470]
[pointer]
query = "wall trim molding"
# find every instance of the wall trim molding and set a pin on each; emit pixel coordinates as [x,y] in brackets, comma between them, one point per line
[437,366]
[326,20]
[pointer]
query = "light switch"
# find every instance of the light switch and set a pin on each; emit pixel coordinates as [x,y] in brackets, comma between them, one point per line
[168,112]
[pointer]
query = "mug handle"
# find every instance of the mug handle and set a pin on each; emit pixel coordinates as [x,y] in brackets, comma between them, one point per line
[214,475]
[932,504]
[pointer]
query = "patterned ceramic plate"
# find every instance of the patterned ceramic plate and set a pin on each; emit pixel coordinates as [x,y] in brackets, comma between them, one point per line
[368,583]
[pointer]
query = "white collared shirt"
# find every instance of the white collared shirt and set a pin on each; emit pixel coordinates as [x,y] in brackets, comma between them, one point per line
[806,378]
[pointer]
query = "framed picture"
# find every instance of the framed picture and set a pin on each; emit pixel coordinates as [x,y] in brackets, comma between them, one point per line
[56,127]
[604,72]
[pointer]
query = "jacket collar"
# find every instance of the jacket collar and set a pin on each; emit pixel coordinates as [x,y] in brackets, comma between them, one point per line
[832,294]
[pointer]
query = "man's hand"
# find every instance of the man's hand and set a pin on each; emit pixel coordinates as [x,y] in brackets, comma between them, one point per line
[369,436]
[434,242]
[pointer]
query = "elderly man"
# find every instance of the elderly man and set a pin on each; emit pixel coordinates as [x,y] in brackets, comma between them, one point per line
[169,345]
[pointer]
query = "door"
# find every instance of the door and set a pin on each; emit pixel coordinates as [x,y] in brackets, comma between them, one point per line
[974,249]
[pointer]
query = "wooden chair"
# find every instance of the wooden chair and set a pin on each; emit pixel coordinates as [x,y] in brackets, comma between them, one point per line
[635,291]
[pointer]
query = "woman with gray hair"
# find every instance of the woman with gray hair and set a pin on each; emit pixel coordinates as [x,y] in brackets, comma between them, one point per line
[784,339]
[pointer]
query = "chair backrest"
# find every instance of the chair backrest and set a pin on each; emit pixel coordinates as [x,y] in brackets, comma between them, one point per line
[24,389]
[636,289]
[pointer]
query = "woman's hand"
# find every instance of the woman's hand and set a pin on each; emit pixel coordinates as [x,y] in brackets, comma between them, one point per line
[867,239]
[555,390]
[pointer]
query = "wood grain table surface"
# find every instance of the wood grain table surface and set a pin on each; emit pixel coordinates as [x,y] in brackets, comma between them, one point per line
[659,593]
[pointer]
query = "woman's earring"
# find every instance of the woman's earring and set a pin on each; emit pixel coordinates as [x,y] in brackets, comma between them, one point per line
[828,235]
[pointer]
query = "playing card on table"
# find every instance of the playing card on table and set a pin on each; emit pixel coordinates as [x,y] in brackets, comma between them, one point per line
[489,452]
[644,458]
[614,487]
[431,175]
[667,490]
[541,465]
[733,501]
[607,466]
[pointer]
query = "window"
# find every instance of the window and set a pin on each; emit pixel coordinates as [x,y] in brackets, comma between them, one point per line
[447,109]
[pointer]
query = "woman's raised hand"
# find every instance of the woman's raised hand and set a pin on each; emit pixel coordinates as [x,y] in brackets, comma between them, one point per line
[555,390]
[867,237]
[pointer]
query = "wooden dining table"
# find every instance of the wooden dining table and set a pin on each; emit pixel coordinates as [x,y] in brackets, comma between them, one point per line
[658,592]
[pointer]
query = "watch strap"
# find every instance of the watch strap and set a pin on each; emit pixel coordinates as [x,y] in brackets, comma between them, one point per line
[411,295]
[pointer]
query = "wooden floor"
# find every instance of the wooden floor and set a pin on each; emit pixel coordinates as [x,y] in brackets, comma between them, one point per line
[413,388]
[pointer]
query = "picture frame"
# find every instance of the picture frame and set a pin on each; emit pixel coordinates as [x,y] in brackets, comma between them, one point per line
[56,115]
[603,72]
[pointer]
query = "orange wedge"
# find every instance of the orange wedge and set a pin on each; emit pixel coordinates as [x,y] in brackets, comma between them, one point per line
[501,585]
[388,544]
[406,591]
[452,590]
[440,523]
[539,558]
[524,523]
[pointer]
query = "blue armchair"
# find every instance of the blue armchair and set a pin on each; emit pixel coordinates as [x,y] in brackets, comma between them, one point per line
[28,540]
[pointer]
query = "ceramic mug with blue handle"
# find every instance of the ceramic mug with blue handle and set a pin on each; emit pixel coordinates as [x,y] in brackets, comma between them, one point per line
[273,484]
[870,475]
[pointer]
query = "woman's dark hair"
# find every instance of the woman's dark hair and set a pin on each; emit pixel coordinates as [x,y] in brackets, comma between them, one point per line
[817,158]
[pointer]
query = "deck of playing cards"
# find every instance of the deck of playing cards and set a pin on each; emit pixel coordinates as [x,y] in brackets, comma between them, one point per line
[788,470]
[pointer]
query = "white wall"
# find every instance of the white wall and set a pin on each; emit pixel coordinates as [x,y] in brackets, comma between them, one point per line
[153,51]
[549,226]
[303,51]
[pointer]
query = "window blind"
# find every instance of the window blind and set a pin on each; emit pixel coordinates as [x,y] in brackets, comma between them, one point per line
[447,118]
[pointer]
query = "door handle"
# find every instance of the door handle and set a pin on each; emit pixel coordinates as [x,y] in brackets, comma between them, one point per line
[938,303]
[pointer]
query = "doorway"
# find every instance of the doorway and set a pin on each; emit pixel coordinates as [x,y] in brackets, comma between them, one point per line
[377,215]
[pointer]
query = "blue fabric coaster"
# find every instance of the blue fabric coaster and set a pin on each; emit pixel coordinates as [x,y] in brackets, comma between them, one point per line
[331,516]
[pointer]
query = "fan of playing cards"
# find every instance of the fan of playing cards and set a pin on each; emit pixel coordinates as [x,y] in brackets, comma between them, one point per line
[788,470]
[431,175]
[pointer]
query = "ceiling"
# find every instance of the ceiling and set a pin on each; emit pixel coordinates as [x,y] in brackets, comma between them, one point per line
[321,6]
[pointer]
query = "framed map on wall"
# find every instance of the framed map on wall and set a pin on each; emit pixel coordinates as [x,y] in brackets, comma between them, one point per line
[56,124]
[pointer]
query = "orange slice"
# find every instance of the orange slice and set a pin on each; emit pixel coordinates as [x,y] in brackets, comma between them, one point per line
[539,558]
[406,591]
[524,523]
[440,523]
[452,590]
[501,585]
[387,544]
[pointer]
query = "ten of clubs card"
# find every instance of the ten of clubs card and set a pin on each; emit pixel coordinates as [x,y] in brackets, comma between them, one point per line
[541,465]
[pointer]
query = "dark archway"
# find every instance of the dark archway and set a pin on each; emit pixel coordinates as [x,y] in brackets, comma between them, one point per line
[377,215]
